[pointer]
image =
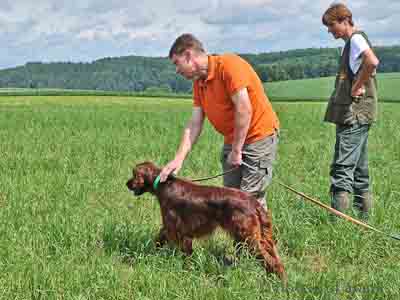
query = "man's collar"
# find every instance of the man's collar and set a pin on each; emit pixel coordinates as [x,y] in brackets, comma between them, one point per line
[212,61]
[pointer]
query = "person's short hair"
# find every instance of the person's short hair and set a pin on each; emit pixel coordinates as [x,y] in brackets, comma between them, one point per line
[184,42]
[337,13]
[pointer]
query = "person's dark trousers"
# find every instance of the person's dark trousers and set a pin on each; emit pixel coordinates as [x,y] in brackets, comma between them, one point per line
[349,169]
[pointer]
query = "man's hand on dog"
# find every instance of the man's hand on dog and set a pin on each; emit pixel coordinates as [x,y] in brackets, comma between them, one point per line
[172,167]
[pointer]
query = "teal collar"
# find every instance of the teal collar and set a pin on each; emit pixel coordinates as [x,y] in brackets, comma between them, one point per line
[156,182]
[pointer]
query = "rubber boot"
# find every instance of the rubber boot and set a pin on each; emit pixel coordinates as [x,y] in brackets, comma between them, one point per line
[340,202]
[363,203]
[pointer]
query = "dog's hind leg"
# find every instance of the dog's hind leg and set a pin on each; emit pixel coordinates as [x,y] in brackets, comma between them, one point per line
[263,249]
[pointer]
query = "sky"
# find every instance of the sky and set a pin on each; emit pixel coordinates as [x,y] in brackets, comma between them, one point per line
[87,30]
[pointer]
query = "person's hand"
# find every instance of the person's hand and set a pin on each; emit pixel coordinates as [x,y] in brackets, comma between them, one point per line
[235,158]
[172,167]
[356,93]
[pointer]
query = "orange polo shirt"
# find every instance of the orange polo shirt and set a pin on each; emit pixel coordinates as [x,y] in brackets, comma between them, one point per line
[227,74]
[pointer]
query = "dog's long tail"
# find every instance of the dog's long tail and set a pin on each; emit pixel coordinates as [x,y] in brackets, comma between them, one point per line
[265,222]
[269,244]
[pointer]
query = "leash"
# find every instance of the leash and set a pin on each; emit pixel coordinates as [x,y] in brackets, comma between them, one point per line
[158,178]
[215,176]
[338,213]
[324,206]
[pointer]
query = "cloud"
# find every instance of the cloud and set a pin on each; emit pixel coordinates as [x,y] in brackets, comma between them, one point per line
[85,30]
[238,12]
[5,5]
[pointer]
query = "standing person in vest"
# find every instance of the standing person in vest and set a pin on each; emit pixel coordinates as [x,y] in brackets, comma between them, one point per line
[229,93]
[352,107]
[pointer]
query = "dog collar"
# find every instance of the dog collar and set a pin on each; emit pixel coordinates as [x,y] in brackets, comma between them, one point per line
[156,182]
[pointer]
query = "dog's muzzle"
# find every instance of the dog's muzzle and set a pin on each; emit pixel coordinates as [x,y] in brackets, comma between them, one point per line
[135,190]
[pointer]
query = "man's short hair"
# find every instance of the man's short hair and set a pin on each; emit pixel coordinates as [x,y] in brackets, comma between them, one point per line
[184,42]
[337,13]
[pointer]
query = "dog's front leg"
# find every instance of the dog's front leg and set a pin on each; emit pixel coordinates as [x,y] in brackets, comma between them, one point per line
[162,238]
[186,246]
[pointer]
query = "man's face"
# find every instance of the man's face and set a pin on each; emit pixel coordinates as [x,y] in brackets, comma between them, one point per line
[184,65]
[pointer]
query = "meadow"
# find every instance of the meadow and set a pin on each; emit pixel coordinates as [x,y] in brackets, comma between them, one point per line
[318,89]
[315,89]
[69,228]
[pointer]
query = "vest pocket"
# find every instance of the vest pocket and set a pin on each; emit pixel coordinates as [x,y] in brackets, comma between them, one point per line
[365,107]
[340,110]
[342,93]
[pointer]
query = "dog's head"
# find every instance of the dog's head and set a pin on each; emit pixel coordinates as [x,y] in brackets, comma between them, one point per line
[143,178]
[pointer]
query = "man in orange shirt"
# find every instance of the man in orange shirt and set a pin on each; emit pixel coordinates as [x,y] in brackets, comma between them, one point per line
[229,93]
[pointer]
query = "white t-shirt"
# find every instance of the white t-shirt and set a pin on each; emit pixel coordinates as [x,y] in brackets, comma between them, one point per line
[358,45]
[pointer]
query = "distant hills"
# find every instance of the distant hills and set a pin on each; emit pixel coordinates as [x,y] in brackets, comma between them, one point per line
[157,74]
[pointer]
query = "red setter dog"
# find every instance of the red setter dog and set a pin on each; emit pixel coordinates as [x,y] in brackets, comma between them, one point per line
[191,211]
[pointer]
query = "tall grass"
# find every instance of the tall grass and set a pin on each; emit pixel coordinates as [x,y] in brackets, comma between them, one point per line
[319,89]
[69,229]
[315,89]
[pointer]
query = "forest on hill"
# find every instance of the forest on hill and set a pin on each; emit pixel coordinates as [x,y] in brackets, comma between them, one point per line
[138,73]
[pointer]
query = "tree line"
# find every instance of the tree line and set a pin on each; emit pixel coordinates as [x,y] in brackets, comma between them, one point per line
[138,73]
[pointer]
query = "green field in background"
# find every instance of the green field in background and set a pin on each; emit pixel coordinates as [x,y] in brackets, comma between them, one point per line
[69,228]
[318,89]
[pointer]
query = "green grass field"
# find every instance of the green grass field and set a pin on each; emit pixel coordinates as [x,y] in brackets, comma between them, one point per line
[317,89]
[320,88]
[69,228]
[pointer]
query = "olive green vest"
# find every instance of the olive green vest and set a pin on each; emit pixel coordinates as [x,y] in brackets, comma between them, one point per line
[344,109]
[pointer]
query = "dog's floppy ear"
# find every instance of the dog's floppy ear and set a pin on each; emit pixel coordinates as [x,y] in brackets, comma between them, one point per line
[148,171]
